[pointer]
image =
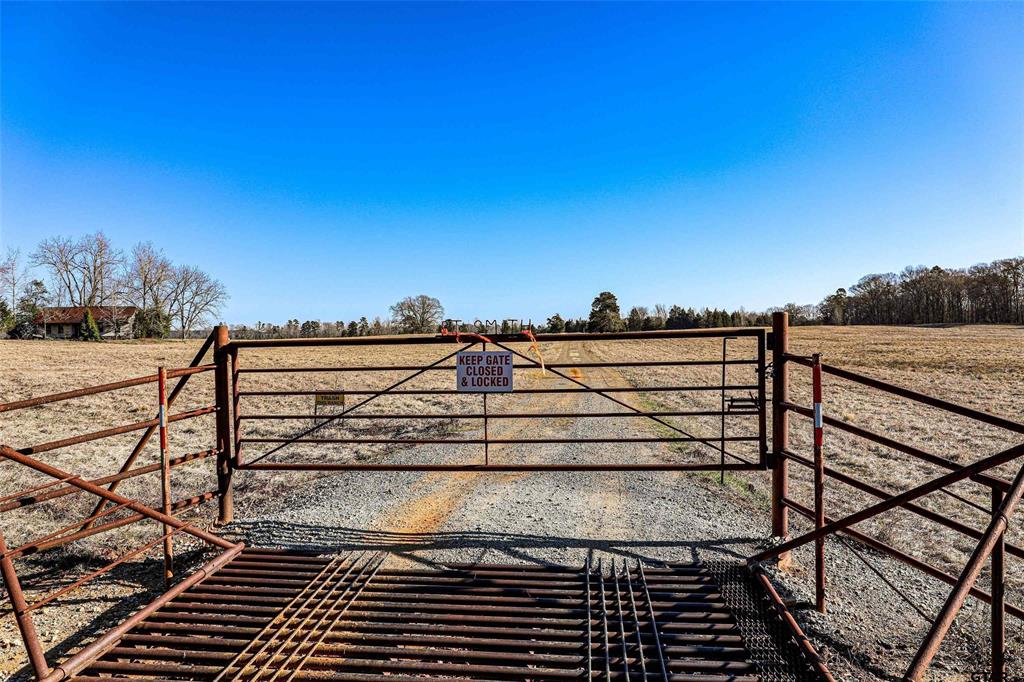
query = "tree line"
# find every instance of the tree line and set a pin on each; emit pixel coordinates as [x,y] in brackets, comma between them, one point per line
[988,293]
[412,315]
[90,271]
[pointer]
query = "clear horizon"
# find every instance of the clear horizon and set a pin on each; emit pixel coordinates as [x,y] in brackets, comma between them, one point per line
[326,160]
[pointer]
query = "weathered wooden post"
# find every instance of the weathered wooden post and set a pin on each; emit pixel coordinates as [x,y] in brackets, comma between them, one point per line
[780,429]
[222,392]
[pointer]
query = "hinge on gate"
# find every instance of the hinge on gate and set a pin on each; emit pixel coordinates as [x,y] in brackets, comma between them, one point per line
[769,371]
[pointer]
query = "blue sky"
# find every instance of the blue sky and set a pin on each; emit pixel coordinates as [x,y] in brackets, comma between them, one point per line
[325,160]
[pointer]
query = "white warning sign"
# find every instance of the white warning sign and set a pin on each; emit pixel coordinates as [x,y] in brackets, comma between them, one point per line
[488,371]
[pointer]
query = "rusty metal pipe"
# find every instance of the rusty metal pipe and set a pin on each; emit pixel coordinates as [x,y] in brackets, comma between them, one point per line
[180,505]
[819,489]
[931,401]
[134,505]
[893,502]
[985,479]
[762,397]
[29,636]
[507,415]
[449,368]
[236,413]
[359,466]
[780,429]
[165,475]
[923,512]
[940,626]
[113,431]
[899,555]
[102,388]
[103,480]
[452,391]
[222,394]
[497,441]
[802,640]
[420,339]
[106,569]
[34,489]
[17,551]
[82,659]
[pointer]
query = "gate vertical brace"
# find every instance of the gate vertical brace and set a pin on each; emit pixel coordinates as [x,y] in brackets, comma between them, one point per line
[236,413]
[780,429]
[21,613]
[762,400]
[819,488]
[487,437]
[165,476]
[222,395]
[721,441]
[998,672]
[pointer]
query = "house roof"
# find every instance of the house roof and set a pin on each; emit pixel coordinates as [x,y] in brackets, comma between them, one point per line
[75,314]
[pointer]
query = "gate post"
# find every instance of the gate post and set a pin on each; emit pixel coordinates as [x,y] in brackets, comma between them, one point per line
[780,429]
[222,393]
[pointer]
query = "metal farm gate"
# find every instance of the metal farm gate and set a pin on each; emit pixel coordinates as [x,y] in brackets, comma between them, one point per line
[731,407]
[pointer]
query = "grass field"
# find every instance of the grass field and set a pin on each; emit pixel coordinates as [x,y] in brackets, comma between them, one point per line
[982,367]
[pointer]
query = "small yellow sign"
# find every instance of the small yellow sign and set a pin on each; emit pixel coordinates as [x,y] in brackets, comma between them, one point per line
[330,399]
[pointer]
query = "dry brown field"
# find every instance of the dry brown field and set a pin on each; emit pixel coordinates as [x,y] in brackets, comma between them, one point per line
[979,366]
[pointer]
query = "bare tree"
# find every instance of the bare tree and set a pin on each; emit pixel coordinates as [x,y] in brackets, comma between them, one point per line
[102,263]
[13,274]
[148,274]
[194,297]
[61,256]
[83,269]
[417,314]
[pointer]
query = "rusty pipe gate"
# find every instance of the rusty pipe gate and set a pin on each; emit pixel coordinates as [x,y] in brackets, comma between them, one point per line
[746,399]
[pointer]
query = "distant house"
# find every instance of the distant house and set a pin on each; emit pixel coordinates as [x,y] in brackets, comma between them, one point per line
[115,322]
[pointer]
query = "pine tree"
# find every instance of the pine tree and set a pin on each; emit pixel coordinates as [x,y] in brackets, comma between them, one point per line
[604,314]
[90,330]
[555,324]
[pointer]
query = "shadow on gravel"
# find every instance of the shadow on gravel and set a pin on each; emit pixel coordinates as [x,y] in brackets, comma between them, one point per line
[97,607]
[518,547]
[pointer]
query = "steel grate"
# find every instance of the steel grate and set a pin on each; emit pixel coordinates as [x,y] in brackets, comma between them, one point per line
[281,615]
